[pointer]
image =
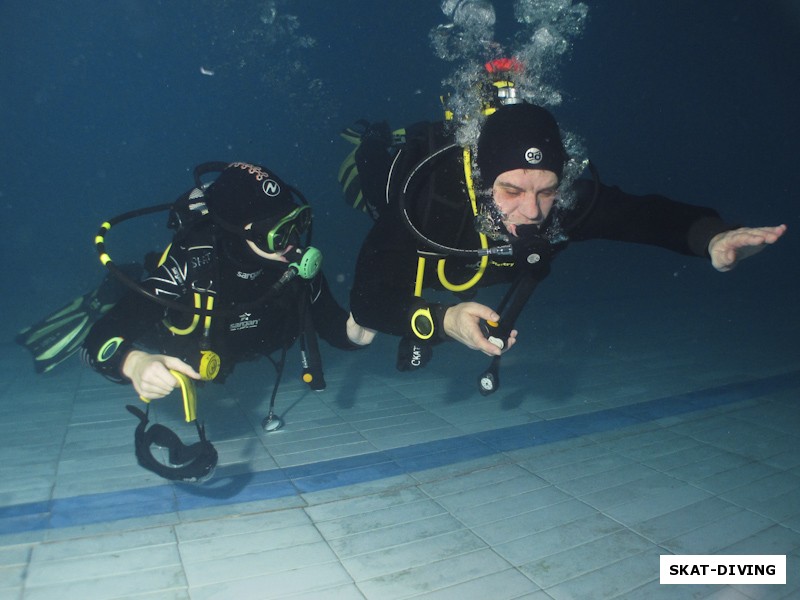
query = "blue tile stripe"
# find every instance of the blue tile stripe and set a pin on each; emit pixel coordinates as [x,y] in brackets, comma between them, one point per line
[279,483]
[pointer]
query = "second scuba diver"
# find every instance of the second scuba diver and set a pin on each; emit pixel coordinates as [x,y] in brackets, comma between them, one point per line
[438,226]
[236,283]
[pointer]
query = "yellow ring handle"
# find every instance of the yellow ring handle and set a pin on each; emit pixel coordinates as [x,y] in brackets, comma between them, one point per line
[423,313]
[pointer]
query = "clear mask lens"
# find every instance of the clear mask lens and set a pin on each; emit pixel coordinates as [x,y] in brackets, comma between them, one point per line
[276,237]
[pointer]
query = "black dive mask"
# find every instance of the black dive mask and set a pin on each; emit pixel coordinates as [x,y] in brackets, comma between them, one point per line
[193,464]
[273,235]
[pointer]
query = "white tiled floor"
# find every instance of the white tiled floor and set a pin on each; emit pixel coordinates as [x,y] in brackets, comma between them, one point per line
[568,483]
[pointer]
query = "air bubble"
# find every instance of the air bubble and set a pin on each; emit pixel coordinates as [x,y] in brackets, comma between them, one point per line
[548,28]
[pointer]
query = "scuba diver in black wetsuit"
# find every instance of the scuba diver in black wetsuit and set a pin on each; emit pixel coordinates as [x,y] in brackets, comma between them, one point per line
[237,282]
[457,218]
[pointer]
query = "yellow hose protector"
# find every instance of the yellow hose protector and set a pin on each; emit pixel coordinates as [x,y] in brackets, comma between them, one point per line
[484,243]
[193,325]
[420,276]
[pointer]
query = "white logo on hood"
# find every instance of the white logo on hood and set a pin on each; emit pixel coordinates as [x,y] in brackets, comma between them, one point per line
[533,156]
[271,187]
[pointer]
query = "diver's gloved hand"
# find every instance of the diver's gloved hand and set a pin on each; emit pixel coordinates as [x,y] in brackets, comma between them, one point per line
[149,373]
[413,354]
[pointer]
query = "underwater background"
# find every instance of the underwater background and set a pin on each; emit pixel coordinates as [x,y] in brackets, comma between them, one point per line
[107,107]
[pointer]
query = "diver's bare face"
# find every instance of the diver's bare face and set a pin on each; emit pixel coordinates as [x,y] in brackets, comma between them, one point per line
[525,196]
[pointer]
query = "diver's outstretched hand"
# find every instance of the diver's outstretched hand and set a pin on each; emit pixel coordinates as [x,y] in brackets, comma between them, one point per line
[149,373]
[729,247]
[462,323]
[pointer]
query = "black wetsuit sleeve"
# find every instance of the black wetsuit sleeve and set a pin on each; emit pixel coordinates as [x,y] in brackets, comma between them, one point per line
[330,319]
[383,289]
[649,219]
[127,321]
[113,336]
